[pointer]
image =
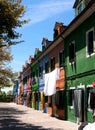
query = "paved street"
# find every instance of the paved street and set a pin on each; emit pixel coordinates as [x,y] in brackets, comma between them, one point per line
[18,117]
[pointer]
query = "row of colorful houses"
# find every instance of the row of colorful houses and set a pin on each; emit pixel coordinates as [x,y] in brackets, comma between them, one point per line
[60,79]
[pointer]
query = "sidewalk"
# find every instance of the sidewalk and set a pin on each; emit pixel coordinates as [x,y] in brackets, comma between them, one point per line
[24,118]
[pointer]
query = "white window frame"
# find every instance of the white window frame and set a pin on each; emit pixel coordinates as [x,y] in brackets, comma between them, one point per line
[53,57]
[80,4]
[74,52]
[87,54]
[72,107]
[88,108]
[59,58]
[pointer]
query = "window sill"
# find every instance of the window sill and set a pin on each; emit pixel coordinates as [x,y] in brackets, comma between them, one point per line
[90,110]
[71,107]
[72,62]
[89,55]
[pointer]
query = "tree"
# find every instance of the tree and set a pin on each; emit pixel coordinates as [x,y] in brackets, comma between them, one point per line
[10,92]
[11,12]
[5,70]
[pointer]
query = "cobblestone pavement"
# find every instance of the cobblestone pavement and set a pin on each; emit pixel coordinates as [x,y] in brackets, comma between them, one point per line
[18,117]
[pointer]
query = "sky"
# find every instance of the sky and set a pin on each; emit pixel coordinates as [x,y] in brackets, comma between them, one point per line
[42,16]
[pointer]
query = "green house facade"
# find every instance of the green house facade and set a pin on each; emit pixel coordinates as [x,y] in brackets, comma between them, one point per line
[34,85]
[80,64]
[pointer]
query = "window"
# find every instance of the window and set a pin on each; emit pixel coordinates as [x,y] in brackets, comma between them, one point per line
[47,67]
[46,99]
[44,45]
[33,78]
[71,98]
[25,80]
[59,99]
[90,98]
[72,52]
[90,41]
[61,58]
[80,8]
[52,64]
[36,72]
[33,74]
[40,71]
[49,101]
[55,33]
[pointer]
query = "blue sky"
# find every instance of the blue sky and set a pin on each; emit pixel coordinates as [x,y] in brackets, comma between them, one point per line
[42,14]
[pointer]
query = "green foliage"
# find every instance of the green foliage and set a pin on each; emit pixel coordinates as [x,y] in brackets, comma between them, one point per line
[10,19]
[11,13]
[5,98]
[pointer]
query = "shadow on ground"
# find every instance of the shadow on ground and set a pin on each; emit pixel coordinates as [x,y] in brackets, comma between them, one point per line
[9,121]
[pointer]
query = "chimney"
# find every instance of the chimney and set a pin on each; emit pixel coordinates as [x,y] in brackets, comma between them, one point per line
[58,29]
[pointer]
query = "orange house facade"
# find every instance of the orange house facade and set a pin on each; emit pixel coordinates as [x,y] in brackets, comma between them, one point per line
[56,61]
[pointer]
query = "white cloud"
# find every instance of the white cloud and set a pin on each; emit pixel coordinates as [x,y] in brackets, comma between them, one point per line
[47,9]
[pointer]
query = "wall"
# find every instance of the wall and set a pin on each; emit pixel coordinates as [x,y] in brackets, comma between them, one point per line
[83,70]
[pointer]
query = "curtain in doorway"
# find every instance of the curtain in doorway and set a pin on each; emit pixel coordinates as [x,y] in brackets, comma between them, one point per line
[92,99]
[78,102]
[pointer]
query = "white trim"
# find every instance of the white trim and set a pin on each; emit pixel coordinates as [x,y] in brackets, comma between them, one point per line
[61,51]
[89,86]
[71,107]
[82,4]
[81,86]
[90,110]
[91,29]
[61,67]
[72,88]
[72,42]
[79,5]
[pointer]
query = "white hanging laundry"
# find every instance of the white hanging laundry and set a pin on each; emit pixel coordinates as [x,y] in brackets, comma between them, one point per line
[90,126]
[50,82]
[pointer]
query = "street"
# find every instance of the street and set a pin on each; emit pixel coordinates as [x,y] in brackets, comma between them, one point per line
[18,117]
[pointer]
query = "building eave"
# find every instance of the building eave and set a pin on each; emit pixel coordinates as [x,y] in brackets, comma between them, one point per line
[80,19]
